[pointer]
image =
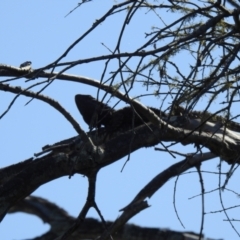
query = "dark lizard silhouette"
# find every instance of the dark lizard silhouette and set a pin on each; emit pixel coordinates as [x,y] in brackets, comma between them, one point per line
[94,113]
[97,114]
[128,118]
[207,116]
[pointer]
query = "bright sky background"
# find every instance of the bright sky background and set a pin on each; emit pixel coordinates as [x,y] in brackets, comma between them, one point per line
[38,31]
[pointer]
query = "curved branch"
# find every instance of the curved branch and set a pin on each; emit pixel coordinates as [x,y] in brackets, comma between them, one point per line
[79,158]
[59,221]
[51,102]
[139,107]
